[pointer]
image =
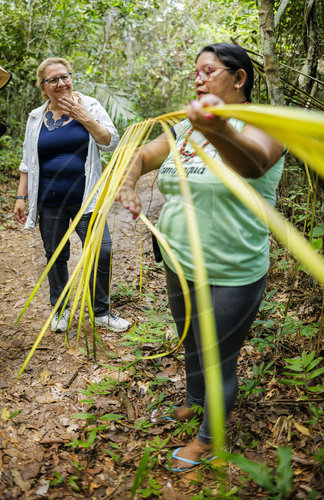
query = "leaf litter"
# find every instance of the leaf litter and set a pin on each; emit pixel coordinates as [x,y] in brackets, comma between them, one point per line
[46,452]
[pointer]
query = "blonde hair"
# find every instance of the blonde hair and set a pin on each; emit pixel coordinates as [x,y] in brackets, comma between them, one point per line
[44,65]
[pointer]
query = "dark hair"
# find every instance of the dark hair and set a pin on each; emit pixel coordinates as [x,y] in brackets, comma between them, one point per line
[234,57]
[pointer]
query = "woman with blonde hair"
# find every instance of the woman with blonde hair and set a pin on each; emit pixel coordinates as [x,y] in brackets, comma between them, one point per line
[61,164]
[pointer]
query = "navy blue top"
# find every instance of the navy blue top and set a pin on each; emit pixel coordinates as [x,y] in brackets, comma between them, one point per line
[62,154]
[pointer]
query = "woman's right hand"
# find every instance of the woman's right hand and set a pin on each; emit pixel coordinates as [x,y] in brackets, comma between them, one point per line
[202,120]
[149,157]
[130,200]
[19,211]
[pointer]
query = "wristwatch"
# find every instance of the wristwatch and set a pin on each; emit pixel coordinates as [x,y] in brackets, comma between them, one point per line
[21,198]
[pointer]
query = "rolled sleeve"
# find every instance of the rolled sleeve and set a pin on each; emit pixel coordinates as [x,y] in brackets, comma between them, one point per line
[114,137]
[105,121]
[23,167]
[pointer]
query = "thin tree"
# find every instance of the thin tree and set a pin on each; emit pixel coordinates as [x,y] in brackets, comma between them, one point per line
[266,19]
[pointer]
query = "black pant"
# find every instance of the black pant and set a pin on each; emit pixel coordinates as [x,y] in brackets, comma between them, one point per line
[235,308]
[53,224]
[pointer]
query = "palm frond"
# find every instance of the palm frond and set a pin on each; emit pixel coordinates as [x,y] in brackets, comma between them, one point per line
[120,108]
[118,105]
[301,131]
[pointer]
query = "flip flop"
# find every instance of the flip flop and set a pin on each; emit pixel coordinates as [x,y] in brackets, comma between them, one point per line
[164,416]
[187,461]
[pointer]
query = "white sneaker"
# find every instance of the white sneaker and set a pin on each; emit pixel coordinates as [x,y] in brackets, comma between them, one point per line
[113,322]
[59,324]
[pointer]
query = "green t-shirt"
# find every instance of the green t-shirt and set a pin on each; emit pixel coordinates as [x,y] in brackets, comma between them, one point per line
[235,243]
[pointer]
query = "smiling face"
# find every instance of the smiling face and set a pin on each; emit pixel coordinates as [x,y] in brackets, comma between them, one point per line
[227,86]
[59,90]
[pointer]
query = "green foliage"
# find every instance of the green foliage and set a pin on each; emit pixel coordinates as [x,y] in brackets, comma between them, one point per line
[280,259]
[317,414]
[111,417]
[72,483]
[142,425]
[318,231]
[155,330]
[79,443]
[293,326]
[112,452]
[91,418]
[156,401]
[104,387]
[157,446]
[267,330]
[301,371]
[132,55]
[278,482]
[265,334]
[158,381]
[10,156]
[84,416]
[188,428]
[77,466]
[123,291]
[260,373]
[153,489]
[58,479]
[198,409]
[268,306]
[207,494]
[14,414]
[121,108]
[320,457]
[146,464]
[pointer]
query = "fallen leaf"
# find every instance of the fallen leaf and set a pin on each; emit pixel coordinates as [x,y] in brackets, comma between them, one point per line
[42,490]
[301,428]
[5,414]
[120,376]
[45,398]
[30,470]
[24,485]
[45,377]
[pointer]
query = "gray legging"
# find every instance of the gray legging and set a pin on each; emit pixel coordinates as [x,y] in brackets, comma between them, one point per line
[235,308]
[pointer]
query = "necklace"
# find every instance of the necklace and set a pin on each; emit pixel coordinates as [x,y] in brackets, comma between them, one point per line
[53,124]
[187,155]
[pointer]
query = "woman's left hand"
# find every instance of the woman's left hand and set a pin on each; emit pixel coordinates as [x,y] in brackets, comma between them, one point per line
[73,108]
[203,120]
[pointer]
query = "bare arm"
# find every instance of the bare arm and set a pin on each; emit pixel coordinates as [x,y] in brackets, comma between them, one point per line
[149,158]
[20,205]
[250,152]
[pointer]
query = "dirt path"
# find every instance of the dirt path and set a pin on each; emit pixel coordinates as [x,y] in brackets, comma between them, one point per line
[42,442]
[48,392]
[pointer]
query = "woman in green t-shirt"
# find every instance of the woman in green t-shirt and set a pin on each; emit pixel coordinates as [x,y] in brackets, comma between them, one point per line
[235,243]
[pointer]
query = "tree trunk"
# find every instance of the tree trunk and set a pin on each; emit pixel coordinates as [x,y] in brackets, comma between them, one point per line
[266,19]
[281,9]
[311,43]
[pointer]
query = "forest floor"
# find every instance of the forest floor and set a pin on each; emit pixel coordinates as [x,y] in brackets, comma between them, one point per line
[46,452]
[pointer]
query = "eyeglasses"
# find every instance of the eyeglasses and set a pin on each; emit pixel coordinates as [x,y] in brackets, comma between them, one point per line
[204,73]
[66,78]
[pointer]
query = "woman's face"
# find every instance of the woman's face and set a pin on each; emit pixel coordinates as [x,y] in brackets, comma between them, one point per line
[213,78]
[61,88]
